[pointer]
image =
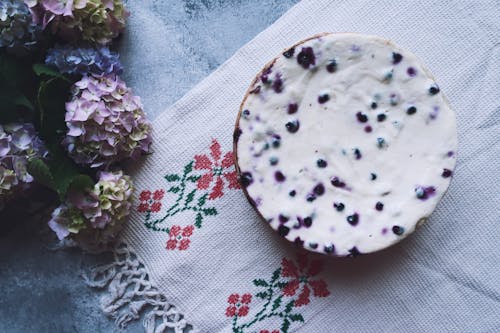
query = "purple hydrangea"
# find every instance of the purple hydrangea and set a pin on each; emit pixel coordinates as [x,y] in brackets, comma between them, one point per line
[83,61]
[106,123]
[17,31]
[94,218]
[18,145]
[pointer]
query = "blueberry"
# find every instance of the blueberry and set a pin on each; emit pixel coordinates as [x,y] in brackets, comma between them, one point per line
[292,126]
[433,89]
[411,110]
[357,153]
[411,71]
[289,53]
[310,197]
[277,83]
[308,222]
[423,193]
[368,129]
[246,113]
[394,99]
[306,57]
[321,163]
[292,108]
[276,140]
[283,230]
[374,105]
[283,218]
[339,206]
[298,242]
[273,160]
[379,206]
[255,90]
[279,176]
[398,230]
[373,176]
[237,133]
[329,248]
[323,98]
[332,66]
[362,118]
[396,58]
[246,179]
[319,189]
[381,117]
[292,193]
[337,182]
[313,246]
[353,219]
[354,252]
[446,173]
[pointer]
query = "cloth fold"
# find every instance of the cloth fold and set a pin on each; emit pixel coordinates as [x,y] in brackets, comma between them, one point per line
[207,251]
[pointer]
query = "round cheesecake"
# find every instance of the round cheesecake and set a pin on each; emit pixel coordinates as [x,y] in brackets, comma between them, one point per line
[344,144]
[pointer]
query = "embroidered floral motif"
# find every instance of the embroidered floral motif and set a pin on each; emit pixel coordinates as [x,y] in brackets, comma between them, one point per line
[179,237]
[202,181]
[288,289]
[150,202]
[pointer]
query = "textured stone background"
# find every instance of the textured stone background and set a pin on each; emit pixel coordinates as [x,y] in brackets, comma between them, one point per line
[169,46]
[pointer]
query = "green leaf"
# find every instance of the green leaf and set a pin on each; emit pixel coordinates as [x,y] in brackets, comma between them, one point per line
[285,326]
[43,70]
[262,295]
[260,283]
[202,200]
[62,168]
[172,178]
[276,274]
[277,303]
[210,211]
[190,196]
[296,317]
[51,98]
[289,306]
[22,100]
[199,219]
[188,168]
[81,182]
[174,189]
[41,172]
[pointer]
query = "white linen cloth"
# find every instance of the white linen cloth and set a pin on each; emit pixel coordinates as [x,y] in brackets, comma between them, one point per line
[444,278]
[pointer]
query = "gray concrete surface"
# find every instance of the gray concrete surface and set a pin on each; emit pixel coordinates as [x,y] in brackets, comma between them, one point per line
[169,46]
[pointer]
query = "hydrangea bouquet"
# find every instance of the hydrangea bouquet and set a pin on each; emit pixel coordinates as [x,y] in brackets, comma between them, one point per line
[68,121]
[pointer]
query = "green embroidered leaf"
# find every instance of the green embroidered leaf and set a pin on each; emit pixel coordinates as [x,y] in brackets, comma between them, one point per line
[190,196]
[281,284]
[40,70]
[260,283]
[262,295]
[277,303]
[172,178]
[174,189]
[188,168]
[296,317]
[276,274]
[285,326]
[289,306]
[199,219]
[193,178]
[210,211]
[202,200]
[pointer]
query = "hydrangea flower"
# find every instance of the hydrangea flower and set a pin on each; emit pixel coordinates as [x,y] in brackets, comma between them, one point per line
[83,61]
[95,21]
[17,32]
[18,145]
[93,218]
[106,123]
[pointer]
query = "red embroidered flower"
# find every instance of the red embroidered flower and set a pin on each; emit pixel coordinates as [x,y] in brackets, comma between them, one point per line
[150,202]
[179,237]
[267,331]
[301,277]
[215,167]
[238,306]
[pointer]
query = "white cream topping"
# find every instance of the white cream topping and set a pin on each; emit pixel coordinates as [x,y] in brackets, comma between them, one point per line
[340,111]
